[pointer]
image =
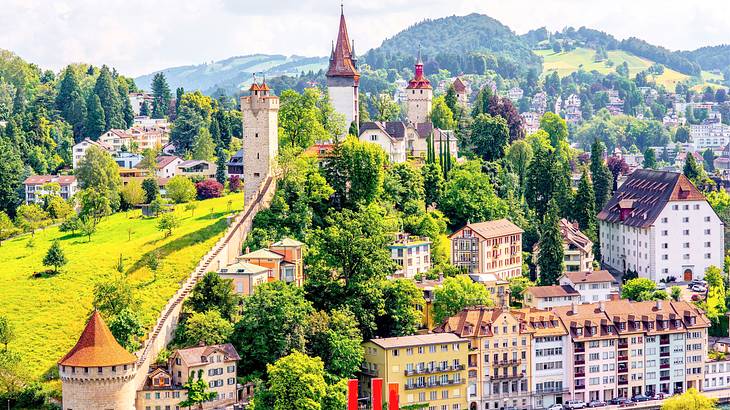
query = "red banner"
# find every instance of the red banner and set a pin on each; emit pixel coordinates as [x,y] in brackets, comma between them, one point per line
[392,396]
[377,389]
[352,394]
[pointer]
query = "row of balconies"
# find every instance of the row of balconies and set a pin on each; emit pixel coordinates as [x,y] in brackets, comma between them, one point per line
[435,383]
[502,376]
[509,362]
[437,369]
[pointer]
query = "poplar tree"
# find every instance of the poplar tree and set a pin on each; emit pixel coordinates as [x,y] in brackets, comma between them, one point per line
[584,207]
[221,160]
[550,258]
[601,176]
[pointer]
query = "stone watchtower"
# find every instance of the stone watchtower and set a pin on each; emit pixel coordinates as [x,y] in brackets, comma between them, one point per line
[98,373]
[260,137]
[419,95]
[343,79]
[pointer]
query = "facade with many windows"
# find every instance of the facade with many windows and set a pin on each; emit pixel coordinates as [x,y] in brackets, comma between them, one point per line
[428,369]
[660,225]
[488,247]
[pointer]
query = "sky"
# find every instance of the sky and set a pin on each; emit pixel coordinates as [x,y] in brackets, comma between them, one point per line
[141,36]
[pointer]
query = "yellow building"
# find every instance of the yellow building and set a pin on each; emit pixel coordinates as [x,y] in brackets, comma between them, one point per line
[429,369]
[499,357]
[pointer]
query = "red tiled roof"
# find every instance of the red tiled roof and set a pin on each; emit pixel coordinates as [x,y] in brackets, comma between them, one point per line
[459,85]
[193,356]
[590,276]
[165,160]
[640,200]
[491,229]
[552,291]
[419,81]
[97,347]
[44,179]
[341,64]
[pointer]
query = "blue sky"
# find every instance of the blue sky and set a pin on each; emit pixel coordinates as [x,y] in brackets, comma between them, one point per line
[140,36]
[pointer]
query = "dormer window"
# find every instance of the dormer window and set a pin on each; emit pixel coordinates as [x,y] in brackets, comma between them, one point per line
[579,331]
[203,359]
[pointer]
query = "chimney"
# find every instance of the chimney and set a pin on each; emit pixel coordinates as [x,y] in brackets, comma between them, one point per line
[658,305]
[574,308]
[248,249]
[601,306]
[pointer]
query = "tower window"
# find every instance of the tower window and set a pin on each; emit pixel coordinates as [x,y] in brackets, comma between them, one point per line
[256,174]
[257,135]
[421,91]
[258,156]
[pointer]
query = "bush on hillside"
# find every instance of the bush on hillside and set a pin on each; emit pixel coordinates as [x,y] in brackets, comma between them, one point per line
[210,188]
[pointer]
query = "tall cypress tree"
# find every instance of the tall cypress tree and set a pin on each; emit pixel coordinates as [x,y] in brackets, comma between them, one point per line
[127,110]
[221,160]
[95,123]
[108,93]
[77,115]
[584,207]
[66,88]
[601,176]
[550,258]
[162,95]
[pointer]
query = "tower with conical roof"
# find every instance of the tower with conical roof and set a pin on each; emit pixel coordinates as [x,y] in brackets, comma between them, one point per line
[419,95]
[98,373]
[260,112]
[343,79]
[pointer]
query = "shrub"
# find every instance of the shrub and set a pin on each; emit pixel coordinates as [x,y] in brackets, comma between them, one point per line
[234,183]
[209,188]
[180,189]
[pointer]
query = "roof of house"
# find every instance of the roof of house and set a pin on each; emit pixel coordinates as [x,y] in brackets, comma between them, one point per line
[97,347]
[243,268]
[486,278]
[643,196]
[44,179]
[237,158]
[287,242]
[417,340]
[394,129]
[261,254]
[552,291]
[591,276]
[419,81]
[165,160]
[192,162]
[542,322]
[475,321]
[341,64]
[572,235]
[193,356]
[424,129]
[459,85]
[490,229]
[583,317]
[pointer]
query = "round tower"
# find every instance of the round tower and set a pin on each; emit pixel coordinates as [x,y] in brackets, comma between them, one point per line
[419,95]
[98,373]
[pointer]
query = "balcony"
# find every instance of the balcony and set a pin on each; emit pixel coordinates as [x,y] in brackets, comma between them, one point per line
[369,372]
[664,354]
[580,373]
[623,382]
[623,358]
[664,378]
[664,366]
[580,386]
[664,340]
[580,361]
[511,362]
[435,383]
[623,370]
[552,390]
[437,369]
[623,345]
[508,376]
[580,349]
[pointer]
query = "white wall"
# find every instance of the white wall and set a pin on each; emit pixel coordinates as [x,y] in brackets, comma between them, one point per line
[343,101]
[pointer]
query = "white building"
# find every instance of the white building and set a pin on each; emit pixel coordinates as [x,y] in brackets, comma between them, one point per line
[539,103]
[138,137]
[530,122]
[167,166]
[660,225]
[717,375]
[515,94]
[137,99]
[549,358]
[38,186]
[127,159]
[79,150]
[548,297]
[593,286]
[411,254]
[400,140]
[709,134]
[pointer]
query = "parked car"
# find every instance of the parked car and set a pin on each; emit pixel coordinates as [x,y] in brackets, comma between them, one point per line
[555,406]
[661,286]
[659,396]
[640,397]
[575,404]
[617,400]
[627,403]
[597,403]
[696,297]
[698,288]
[698,282]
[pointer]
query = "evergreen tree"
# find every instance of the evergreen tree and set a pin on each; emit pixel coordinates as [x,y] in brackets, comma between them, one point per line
[95,120]
[709,160]
[433,182]
[601,176]
[221,160]
[215,132]
[583,207]
[11,177]
[161,92]
[55,256]
[144,109]
[70,102]
[178,97]
[692,169]
[451,101]
[108,93]
[127,110]
[550,258]
[649,159]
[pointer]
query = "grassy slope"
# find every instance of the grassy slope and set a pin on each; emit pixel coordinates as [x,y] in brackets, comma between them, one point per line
[49,313]
[567,62]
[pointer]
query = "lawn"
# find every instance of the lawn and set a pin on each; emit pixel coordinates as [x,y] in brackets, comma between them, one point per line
[566,63]
[49,313]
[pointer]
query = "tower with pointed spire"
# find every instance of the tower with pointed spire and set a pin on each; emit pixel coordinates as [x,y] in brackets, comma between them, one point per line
[260,112]
[98,373]
[419,95]
[343,79]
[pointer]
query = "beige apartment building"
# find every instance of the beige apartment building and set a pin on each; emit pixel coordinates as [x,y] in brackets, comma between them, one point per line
[488,247]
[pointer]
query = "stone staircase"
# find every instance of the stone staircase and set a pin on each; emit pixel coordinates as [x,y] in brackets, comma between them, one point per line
[238,228]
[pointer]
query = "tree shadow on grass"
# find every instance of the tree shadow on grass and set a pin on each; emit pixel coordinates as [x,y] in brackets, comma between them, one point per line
[46,274]
[182,242]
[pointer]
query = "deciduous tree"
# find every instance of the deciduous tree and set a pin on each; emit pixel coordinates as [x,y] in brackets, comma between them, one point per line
[207,327]
[180,189]
[455,294]
[213,292]
[490,136]
[297,382]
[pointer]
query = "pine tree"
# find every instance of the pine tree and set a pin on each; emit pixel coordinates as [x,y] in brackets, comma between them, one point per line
[215,132]
[55,256]
[144,110]
[649,159]
[127,110]
[108,93]
[221,160]
[550,258]
[77,115]
[161,92]
[95,123]
[601,176]
[583,206]
[178,97]
[692,169]
[66,88]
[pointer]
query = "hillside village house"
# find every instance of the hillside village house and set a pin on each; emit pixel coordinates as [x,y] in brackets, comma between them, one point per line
[246,276]
[498,288]
[462,91]
[197,168]
[488,247]
[593,286]
[38,186]
[137,99]
[141,137]
[428,368]
[79,150]
[660,225]
[412,254]
[167,166]
[400,140]
[577,248]
[548,297]
[235,164]
[284,259]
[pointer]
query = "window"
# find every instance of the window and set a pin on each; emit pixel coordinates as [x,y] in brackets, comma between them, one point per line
[708,232]
[664,220]
[707,219]
[708,256]
[373,137]
[685,232]
[395,352]
[685,219]
[665,233]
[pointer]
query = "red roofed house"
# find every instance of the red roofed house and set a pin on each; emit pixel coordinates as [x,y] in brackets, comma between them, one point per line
[38,186]
[577,248]
[660,225]
[167,166]
[97,373]
[488,247]
[419,95]
[462,91]
[283,260]
[343,79]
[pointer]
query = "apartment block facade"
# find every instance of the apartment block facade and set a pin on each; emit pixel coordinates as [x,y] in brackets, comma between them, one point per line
[429,369]
[488,247]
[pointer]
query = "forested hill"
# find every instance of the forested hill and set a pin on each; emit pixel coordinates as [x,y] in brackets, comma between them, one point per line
[470,44]
[230,74]
[711,58]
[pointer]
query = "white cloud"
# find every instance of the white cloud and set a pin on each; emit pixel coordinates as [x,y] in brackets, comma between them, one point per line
[139,36]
